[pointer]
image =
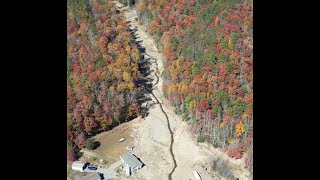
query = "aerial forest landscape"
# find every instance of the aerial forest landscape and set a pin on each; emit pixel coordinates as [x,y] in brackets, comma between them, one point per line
[159,89]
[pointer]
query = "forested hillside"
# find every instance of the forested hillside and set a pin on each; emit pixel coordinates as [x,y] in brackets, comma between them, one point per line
[208,74]
[102,72]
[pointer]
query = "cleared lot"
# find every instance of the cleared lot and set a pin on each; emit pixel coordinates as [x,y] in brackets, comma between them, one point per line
[110,148]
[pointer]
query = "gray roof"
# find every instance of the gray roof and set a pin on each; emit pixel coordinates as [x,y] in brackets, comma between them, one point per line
[130,146]
[131,160]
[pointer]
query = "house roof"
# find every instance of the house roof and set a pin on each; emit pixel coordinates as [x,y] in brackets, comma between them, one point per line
[131,160]
[130,146]
[78,164]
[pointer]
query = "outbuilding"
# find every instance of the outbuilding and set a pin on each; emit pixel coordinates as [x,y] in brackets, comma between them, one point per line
[79,165]
[130,147]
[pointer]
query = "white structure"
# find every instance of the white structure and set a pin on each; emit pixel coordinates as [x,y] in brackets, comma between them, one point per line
[79,165]
[131,162]
[122,139]
[101,161]
[196,175]
[130,147]
[127,169]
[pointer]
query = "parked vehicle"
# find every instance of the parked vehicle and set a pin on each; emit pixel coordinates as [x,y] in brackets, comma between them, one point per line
[92,168]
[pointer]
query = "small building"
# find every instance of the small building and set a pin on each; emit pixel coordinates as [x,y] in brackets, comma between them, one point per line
[122,139]
[79,165]
[90,176]
[132,162]
[130,147]
[102,161]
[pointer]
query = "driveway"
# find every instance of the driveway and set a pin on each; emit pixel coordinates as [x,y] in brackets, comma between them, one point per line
[109,173]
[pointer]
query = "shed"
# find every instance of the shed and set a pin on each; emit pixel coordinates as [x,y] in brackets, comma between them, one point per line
[130,147]
[79,165]
[131,161]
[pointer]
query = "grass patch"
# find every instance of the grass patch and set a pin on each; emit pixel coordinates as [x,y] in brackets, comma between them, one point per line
[93,159]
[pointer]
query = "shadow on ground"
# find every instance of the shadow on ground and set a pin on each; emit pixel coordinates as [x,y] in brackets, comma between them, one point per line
[145,82]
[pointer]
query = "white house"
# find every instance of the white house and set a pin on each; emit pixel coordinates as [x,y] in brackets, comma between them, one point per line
[79,165]
[132,162]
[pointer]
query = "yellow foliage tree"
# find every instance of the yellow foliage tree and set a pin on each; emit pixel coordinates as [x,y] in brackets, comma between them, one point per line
[140,6]
[230,44]
[128,48]
[222,124]
[192,104]
[111,88]
[182,88]
[239,129]
[150,7]
[135,54]
[130,85]
[126,76]
[101,96]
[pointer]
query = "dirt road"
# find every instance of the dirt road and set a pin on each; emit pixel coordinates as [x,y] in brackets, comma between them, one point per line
[163,141]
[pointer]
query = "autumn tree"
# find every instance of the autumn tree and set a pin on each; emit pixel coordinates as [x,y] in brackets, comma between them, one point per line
[208,65]
[102,71]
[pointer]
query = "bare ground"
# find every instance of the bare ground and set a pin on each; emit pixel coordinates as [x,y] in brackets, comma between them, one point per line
[110,148]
